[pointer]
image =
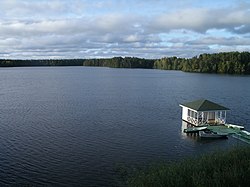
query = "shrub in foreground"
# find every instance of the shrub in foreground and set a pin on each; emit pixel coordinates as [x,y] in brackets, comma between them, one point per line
[225,168]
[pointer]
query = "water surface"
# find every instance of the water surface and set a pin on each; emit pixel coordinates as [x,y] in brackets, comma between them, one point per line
[72,126]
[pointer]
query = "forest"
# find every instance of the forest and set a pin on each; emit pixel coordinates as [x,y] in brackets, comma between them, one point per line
[49,62]
[228,62]
[225,63]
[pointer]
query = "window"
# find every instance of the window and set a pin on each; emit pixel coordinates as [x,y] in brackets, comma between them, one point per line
[211,115]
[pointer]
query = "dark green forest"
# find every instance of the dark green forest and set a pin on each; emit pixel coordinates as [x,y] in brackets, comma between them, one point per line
[230,63]
[49,62]
[119,62]
[226,63]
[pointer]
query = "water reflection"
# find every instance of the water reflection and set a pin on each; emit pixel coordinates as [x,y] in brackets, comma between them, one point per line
[192,136]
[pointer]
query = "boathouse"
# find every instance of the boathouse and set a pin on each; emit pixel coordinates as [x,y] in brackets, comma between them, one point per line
[202,112]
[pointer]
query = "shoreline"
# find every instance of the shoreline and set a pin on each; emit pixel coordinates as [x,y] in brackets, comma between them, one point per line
[237,63]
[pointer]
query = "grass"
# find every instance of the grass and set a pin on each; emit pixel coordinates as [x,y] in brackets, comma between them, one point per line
[225,168]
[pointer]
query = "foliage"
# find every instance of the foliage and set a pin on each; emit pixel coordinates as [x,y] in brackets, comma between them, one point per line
[49,62]
[230,168]
[228,63]
[119,62]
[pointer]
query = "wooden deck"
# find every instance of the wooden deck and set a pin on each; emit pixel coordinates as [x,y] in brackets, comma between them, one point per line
[235,132]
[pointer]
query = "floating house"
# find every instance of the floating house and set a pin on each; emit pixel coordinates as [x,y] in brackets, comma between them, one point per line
[202,112]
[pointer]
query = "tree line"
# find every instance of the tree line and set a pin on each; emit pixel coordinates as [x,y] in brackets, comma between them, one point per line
[119,62]
[226,62]
[48,62]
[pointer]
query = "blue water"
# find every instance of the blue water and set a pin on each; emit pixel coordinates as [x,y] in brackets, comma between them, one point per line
[73,126]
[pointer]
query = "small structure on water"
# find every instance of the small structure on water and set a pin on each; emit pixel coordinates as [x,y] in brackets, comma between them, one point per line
[201,112]
[208,120]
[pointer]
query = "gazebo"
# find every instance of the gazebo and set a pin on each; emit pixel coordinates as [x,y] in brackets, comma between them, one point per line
[203,111]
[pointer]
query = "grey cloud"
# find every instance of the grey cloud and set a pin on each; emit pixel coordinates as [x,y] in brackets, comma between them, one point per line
[119,33]
[243,29]
[112,23]
[230,41]
[40,9]
[203,19]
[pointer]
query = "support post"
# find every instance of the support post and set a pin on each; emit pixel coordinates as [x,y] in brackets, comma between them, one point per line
[225,116]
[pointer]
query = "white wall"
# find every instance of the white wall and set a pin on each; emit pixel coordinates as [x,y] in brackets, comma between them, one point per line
[184,113]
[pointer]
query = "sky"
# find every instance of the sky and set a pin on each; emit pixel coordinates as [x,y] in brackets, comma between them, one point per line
[62,29]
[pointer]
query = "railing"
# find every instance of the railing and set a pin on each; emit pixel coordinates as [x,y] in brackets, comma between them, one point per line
[210,121]
[221,120]
[192,120]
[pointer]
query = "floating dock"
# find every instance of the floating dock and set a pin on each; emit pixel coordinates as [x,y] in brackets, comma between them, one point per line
[234,126]
[223,129]
[243,136]
[235,131]
[205,115]
[194,129]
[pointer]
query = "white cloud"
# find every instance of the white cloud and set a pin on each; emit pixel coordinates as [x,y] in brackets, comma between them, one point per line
[82,28]
[202,19]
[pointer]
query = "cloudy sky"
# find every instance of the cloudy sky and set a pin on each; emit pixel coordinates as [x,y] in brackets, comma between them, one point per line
[38,29]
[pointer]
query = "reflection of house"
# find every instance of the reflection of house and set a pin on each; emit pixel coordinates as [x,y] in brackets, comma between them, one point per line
[202,111]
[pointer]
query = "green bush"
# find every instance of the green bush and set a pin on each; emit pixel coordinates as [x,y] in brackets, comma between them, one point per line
[225,168]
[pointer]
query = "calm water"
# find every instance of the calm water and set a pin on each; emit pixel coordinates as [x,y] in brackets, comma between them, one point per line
[73,126]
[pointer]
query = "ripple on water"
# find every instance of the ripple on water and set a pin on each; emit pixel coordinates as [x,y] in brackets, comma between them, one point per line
[73,126]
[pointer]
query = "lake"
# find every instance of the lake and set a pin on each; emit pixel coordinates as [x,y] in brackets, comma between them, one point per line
[74,126]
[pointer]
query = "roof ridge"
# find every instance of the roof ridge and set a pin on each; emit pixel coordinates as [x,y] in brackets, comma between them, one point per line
[202,103]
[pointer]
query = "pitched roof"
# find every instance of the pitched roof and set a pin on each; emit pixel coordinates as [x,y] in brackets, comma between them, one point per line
[204,105]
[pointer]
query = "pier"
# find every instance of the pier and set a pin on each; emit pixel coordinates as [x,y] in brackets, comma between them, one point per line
[230,130]
[207,116]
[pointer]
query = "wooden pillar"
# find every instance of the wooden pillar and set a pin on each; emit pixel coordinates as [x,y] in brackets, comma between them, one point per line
[225,116]
[217,116]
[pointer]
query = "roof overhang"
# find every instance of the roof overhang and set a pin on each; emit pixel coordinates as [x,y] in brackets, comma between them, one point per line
[204,106]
